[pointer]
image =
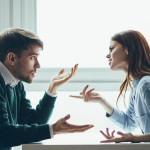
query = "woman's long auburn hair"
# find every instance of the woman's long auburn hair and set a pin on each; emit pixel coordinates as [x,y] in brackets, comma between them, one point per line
[138,57]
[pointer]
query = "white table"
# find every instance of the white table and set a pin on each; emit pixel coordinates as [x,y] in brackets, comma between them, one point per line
[118,146]
[89,140]
[82,141]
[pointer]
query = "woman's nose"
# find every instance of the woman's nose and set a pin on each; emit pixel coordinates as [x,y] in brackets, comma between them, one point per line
[108,56]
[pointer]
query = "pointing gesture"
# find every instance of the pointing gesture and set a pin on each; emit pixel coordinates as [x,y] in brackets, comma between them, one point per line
[88,96]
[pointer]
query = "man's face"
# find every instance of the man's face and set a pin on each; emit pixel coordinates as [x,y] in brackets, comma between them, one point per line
[26,65]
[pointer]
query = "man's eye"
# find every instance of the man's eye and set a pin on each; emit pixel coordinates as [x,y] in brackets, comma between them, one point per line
[32,57]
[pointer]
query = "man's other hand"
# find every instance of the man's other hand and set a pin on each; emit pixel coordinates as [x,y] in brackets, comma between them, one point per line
[62,126]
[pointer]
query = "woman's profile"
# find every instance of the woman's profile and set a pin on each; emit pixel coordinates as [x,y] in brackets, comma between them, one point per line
[130,52]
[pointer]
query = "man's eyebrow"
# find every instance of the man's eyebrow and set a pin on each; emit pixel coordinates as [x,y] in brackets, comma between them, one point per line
[30,54]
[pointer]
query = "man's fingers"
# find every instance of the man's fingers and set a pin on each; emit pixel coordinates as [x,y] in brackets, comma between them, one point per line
[84,128]
[69,75]
[65,78]
[61,72]
[75,69]
[78,128]
[64,118]
[62,77]
[72,70]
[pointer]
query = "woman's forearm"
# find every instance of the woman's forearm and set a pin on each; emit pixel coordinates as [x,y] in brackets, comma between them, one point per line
[142,138]
[108,108]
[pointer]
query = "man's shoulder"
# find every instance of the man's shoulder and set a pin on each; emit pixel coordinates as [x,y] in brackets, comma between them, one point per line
[2,82]
[20,84]
[2,85]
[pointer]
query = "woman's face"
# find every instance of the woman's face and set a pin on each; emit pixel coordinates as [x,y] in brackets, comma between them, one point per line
[118,57]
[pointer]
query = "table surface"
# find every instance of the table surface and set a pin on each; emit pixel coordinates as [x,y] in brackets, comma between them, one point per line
[82,141]
[110,146]
[89,140]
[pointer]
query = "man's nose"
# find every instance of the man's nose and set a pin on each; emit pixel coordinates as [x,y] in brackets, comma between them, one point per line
[37,64]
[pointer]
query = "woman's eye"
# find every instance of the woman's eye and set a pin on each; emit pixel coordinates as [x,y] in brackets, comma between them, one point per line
[111,49]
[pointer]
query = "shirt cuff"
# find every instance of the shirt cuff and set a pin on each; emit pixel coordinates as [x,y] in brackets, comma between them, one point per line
[51,131]
[50,94]
[115,115]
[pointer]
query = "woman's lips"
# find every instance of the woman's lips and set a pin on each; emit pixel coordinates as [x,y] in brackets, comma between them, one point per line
[109,61]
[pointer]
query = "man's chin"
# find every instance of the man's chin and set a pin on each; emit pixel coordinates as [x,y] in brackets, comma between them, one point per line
[27,80]
[30,81]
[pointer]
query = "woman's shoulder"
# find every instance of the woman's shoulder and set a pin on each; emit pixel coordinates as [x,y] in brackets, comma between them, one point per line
[144,82]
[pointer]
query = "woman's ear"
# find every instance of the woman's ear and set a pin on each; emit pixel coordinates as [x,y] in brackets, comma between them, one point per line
[126,51]
[11,58]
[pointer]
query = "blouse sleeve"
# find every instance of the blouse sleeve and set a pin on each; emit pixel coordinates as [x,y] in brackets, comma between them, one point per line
[125,120]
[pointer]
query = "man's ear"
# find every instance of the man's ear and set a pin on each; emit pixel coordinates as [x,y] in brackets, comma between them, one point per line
[11,58]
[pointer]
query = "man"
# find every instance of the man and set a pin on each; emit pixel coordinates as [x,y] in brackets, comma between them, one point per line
[19,122]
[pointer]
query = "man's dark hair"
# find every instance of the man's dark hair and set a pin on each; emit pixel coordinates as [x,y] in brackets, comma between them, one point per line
[16,40]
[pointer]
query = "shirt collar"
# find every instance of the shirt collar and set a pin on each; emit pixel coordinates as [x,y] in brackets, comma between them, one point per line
[7,76]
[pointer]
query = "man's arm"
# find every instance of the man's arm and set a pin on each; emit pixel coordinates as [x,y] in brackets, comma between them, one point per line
[12,134]
[40,115]
[45,107]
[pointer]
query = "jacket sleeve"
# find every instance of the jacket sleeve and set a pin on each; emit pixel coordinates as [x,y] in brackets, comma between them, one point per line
[40,115]
[12,134]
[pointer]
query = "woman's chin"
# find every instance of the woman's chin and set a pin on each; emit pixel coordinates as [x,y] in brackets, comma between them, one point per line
[113,68]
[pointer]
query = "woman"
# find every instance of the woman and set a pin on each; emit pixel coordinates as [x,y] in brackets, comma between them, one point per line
[129,51]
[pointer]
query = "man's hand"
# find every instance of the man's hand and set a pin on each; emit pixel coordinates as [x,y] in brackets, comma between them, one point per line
[61,126]
[124,137]
[60,79]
